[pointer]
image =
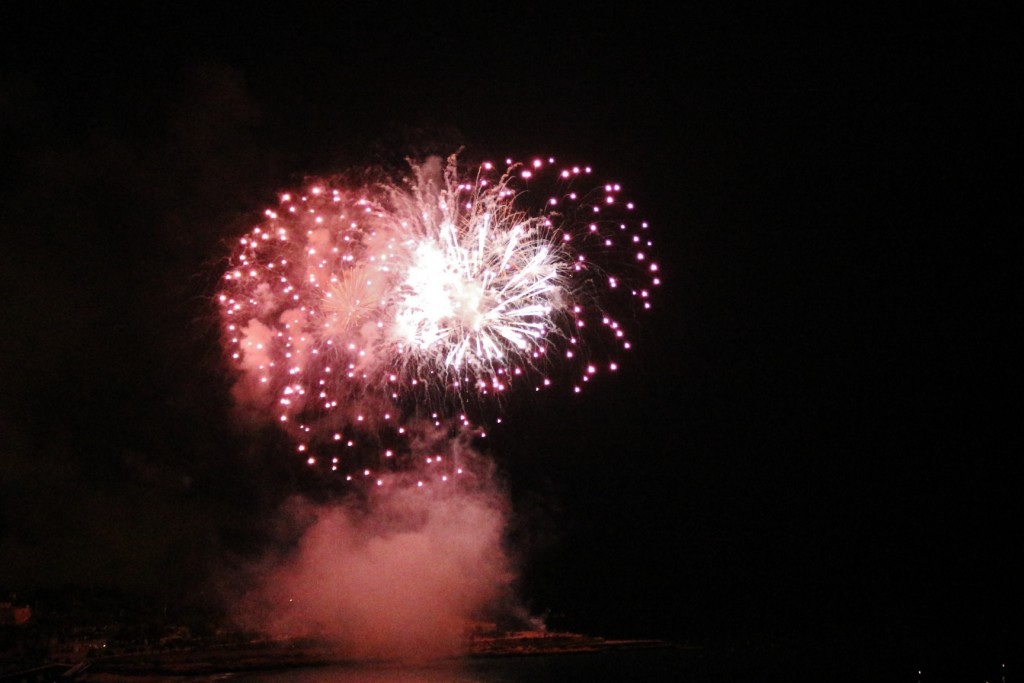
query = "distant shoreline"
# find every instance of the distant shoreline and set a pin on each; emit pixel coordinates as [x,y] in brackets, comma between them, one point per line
[278,655]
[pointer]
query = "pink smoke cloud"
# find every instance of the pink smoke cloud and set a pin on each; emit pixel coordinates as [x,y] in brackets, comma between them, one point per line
[404,574]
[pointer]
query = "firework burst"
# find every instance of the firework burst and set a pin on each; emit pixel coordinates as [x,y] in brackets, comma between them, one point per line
[350,311]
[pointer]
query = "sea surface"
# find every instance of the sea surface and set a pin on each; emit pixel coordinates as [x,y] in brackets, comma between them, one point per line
[678,664]
[637,665]
[656,665]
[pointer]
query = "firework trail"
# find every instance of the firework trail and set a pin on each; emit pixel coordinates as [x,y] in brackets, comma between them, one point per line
[369,320]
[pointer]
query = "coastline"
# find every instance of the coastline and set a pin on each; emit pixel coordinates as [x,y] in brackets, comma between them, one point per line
[279,655]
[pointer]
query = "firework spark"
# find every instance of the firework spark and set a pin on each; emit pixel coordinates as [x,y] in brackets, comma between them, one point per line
[349,309]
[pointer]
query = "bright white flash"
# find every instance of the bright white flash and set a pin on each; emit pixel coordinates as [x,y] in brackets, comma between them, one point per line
[483,286]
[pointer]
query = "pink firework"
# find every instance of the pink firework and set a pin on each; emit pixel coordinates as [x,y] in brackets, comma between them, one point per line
[359,317]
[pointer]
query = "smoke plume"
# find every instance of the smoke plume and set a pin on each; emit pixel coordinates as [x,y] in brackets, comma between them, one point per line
[405,573]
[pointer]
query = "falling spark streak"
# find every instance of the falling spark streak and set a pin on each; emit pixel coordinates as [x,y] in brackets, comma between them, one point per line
[349,307]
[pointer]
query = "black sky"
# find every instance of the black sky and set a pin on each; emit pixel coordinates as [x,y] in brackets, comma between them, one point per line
[816,436]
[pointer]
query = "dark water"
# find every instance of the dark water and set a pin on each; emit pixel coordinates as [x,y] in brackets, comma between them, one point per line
[644,665]
[676,664]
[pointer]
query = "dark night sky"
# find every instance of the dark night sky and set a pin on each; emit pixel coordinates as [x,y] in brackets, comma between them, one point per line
[815,435]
